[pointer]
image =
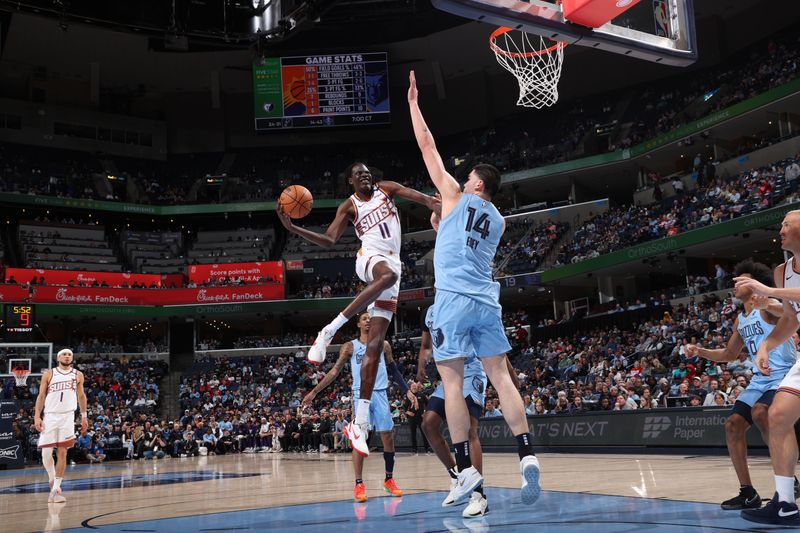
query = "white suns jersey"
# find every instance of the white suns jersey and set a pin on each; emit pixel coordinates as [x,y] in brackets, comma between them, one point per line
[791,280]
[377,223]
[62,393]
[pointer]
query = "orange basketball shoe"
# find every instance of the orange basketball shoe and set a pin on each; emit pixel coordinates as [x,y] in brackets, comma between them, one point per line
[391,487]
[360,493]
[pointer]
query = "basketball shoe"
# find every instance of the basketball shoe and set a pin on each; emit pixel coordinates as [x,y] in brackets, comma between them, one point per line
[478,506]
[391,487]
[449,500]
[360,493]
[468,480]
[775,512]
[531,490]
[316,354]
[745,500]
[358,438]
[56,496]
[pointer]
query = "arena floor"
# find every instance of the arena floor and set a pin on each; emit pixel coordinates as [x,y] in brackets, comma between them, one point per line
[293,492]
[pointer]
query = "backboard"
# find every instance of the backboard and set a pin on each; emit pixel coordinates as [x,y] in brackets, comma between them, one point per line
[661,31]
[35,356]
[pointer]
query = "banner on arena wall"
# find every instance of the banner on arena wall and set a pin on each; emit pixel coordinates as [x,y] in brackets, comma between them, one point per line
[64,277]
[110,296]
[695,427]
[172,280]
[294,264]
[415,294]
[10,448]
[250,272]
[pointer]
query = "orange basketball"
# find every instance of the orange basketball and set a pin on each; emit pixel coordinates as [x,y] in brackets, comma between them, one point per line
[296,201]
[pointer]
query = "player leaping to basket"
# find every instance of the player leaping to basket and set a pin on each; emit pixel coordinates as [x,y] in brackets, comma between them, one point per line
[374,215]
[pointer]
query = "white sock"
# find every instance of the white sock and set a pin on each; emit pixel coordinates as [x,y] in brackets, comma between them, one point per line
[57,483]
[362,413]
[336,323]
[785,487]
[49,463]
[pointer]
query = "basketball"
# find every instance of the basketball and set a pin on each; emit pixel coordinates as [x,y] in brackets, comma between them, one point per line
[296,201]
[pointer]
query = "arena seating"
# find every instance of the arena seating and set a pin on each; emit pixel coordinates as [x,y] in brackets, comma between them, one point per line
[153,252]
[68,245]
[234,246]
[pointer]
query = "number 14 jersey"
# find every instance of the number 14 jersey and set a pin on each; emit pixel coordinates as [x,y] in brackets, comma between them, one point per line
[465,248]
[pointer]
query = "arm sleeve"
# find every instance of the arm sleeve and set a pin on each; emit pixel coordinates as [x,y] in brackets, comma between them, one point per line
[423,315]
[397,376]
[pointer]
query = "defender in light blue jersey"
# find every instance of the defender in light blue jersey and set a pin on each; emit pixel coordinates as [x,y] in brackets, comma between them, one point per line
[354,352]
[467,312]
[475,383]
[753,325]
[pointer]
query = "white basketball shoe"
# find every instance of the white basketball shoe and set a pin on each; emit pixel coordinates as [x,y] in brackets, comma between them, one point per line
[531,490]
[317,352]
[358,438]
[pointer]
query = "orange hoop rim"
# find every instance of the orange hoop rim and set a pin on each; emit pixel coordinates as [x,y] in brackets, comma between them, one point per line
[20,372]
[504,29]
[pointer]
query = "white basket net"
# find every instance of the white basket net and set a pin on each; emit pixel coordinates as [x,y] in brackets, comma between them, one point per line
[21,376]
[535,61]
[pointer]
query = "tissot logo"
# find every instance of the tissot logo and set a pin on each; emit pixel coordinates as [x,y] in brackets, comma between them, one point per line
[654,425]
[9,453]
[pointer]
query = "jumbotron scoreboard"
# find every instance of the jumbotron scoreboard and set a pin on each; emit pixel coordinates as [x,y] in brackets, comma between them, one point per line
[321,91]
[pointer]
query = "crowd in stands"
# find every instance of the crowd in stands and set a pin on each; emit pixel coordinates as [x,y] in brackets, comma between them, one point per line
[645,366]
[525,245]
[719,200]
[122,400]
[253,404]
[568,132]
[257,400]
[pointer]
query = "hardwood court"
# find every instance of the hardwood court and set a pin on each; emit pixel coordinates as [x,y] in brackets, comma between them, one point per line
[306,492]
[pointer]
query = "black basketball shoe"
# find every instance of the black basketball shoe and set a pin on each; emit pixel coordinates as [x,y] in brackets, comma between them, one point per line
[775,512]
[747,499]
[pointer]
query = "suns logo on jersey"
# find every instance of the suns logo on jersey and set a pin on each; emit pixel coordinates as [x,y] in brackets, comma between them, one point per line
[62,386]
[375,217]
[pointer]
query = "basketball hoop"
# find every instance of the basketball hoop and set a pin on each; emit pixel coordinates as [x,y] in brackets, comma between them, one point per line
[535,61]
[21,376]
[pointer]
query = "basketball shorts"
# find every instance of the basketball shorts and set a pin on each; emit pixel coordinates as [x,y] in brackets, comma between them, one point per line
[58,430]
[436,403]
[791,383]
[758,387]
[463,326]
[380,415]
[746,410]
[385,305]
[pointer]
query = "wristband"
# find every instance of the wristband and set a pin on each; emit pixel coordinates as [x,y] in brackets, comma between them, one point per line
[84,415]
